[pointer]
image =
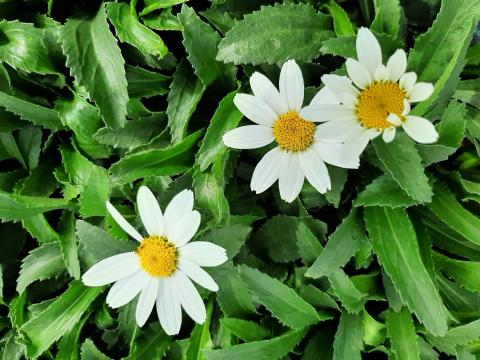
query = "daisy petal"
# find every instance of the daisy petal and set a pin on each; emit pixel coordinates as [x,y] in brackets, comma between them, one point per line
[291,177]
[189,297]
[340,85]
[204,253]
[419,129]
[150,213]
[291,85]
[124,224]
[406,107]
[111,269]
[420,91]
[369,52]
[169,310]
[146,301]
[255,109]
[263,88]
[248,137]
[181,204]
[359,73]
[356,143]
[321,112]
[185,228]
[125,290]
[396,65]
[381,73]
[336,131]
[325,96]
[394,119]
[388,134]
[197,274]
[332,154]
[315,170]
[407,81]
[267,171]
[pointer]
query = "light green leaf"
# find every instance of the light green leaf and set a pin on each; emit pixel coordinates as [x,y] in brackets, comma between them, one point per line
[69,344]
[402,161]
[282,301]
[446,207]
[131,31]
[394,242]
[18,207]
[29,140]
[387,17]
[200,337]
[403,338]
[22,48]
[460,335]
[275,34]
[384,191]
[341,246]
[344,289]
[152,344]
[36,114]
[91,179]
[90,352]
[271,349]
[309,247]
[186,90]
[68,244]
[226,118]
[170,161]
[145,83]
[95,60]
[43,262]
[210,196]
[341,22]
[152,5]
[201,42]
[465,273]
[58,318]
[348,338]
[245,330]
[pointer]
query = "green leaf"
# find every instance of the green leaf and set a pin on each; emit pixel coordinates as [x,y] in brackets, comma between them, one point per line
[11,147]
[401,332]
[344,289]
[29,141]
[201,42]
[460,335]
[22,48]
[58,318]
[94,244]
[348,338]
[90,352]
[341,22]
[186,90]
[43,262]
[394,242]
[95,60]
[446,208]
[153,5]
[387,17]
[36,114]
[309,247]
[69,344]
[385,191]
[341,246]
[200,337]
[84,120]
[245,330]
[145,83]
[435,49]
[282,301]
[230,236]
[152,344]
[226,118]
[272,349]
[131,31]
[171,161]
[465,273]
[68,244]
[275,34]
[210,196]
[92,181]
[402,161]
[18,207]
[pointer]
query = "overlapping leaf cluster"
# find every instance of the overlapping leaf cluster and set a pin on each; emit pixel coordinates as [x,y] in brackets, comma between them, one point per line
[97,99]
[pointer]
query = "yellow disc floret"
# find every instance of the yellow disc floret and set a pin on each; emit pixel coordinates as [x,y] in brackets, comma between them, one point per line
[292,132]
[158,256]
[377,101]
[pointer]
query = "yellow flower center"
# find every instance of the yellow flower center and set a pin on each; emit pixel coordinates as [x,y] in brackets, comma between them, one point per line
[292,132]
[158,256]
[378,101]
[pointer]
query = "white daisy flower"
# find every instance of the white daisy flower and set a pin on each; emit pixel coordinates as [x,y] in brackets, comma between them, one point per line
[163,265]
[302,150]
[378,103]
